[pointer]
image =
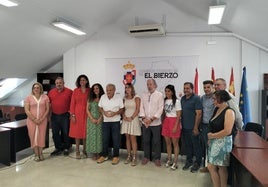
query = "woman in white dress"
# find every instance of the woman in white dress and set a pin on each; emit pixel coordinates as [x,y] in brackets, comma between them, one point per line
[131,125]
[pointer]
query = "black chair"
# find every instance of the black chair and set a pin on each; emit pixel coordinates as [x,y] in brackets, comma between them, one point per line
[1,114]
[20,116]
[3,119]
[255,127]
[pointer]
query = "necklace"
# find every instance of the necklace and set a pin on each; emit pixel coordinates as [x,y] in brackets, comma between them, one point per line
[219,111]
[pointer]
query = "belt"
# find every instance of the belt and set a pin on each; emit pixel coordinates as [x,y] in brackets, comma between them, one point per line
[60,114]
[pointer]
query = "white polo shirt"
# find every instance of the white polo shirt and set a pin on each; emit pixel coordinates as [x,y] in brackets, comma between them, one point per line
[114,104]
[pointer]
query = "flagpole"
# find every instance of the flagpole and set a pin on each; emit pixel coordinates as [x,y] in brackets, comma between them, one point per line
[244,105]
[196,82]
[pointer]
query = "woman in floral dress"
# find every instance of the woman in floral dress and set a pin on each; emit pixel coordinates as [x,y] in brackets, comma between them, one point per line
[220,139]
[94,122]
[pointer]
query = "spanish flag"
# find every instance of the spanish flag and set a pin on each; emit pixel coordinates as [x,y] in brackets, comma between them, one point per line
[231,85]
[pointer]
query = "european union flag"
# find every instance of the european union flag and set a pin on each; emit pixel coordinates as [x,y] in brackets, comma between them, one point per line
[244,105]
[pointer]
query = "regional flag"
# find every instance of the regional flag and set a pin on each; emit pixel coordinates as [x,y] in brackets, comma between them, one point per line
[212,75]
[231,85]
[244,105]
[196,83]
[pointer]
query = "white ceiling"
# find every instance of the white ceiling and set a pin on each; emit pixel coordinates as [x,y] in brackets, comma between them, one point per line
[29,43]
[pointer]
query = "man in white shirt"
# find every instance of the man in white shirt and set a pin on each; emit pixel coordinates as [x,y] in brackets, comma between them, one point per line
[152,104]
[111,106]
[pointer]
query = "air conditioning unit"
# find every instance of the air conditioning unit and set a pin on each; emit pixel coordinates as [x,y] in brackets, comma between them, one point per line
[147,30]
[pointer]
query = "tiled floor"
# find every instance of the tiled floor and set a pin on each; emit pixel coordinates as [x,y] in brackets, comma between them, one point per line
[62,171]
[66,171]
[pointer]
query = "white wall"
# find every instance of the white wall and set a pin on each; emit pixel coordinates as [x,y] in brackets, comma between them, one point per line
[114,42]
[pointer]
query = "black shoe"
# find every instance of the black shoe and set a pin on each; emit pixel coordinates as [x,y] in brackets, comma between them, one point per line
[187,166]
[195,168]
[55,152]
[66,152]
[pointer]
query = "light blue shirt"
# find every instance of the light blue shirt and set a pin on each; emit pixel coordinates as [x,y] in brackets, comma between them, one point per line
[207,108]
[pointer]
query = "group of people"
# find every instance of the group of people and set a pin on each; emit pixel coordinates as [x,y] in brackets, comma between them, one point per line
[220,121]
[93,117]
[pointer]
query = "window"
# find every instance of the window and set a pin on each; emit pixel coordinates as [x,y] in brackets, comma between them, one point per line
[8,85]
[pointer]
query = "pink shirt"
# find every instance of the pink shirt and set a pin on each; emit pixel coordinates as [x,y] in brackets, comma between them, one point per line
[152,106]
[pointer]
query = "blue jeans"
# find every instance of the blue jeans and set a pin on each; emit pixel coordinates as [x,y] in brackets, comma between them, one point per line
[204,139]
[111,128]
[60,125]
[192,146]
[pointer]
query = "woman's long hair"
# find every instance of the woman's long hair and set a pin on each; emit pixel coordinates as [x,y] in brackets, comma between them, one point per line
[172,89]
[92,95]
[133,93]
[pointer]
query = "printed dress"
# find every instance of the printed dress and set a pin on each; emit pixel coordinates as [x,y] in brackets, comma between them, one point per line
[219,148]
[133,127]
[94,132]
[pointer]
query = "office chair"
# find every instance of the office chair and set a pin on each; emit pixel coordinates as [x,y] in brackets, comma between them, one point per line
[1,114]
[255,127]
[20,116]
[3,119]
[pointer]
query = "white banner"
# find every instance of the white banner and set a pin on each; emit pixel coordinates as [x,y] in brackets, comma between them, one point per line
[165,70]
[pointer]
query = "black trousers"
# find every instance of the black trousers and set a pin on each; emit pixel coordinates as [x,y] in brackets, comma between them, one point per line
[152,136]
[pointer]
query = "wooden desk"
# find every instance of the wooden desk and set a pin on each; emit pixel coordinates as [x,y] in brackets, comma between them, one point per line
[19,138]
[250,167]
[5,145]
[247,139]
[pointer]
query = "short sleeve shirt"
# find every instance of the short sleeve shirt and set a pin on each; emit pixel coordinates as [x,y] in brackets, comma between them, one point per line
[189,107]
[114,104]
[170,109]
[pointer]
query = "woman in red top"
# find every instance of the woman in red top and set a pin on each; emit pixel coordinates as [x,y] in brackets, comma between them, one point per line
[78,113]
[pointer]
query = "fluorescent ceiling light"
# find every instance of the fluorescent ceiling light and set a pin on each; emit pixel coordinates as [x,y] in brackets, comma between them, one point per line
[8,3]
[215,14]
[68,27]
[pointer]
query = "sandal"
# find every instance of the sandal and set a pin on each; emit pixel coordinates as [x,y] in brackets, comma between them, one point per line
[174,166]
[128,160]
[41,157]
[134,161]
[84,154]
[94,157]
[78,155]
[36,158]
[168,163]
